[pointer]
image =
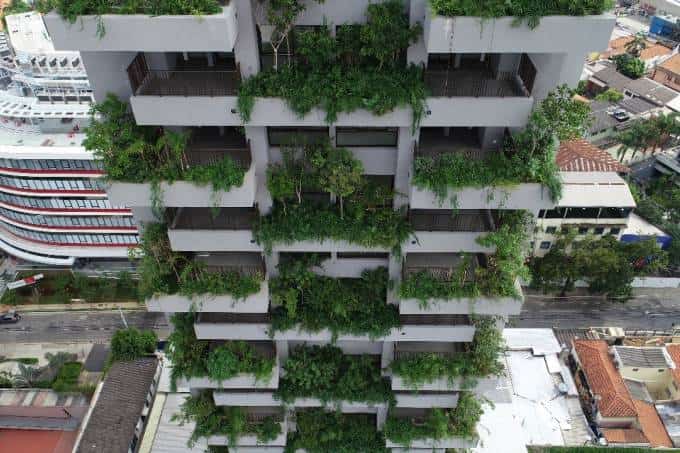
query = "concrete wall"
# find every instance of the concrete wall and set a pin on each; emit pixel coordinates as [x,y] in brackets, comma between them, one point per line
[174,303]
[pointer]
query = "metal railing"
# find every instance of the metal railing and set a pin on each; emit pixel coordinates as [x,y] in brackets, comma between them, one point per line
[466,83]
[190,83]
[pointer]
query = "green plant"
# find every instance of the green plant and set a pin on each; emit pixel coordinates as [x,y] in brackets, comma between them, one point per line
[529,11]
[323,77]
[196,279]
[629,65]
[72,9]
[343,306]
[131,343]
[479,360]
[232,358]
[231,421]
[319,431]
[67,378]
[440,423]
[609,95]
[187,354]
[324,372]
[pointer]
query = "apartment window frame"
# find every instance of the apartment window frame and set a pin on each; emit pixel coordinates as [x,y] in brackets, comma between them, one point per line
[392,132]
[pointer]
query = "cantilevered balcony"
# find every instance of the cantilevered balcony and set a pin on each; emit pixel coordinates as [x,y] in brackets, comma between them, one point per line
[244,263]
[443,230]
[199,229]
[256,416]
[418,416]
[206,146]
[187,93]
[458,269]
[265,350]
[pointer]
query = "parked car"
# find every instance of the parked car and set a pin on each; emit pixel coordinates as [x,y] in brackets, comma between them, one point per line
[10,317]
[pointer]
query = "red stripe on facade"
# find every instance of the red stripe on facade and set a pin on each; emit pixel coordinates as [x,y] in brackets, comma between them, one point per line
[57,191]
[96,228]
[26,171]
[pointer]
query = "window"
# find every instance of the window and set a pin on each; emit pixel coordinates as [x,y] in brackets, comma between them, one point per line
[583,230]
[598,230]
[366,136]
[551,230]
[280,136]
[545,245]
[615,231]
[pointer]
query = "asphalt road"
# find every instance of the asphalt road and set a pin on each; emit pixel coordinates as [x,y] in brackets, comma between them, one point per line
[77,327]
[649,310]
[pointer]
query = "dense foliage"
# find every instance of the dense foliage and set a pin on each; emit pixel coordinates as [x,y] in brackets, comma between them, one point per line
[195,358]
[229,421]
[313,302]
[609,95]
[319,431]
[363,216]
[530,11]
[460,421]
[138,154]
[648,135]
[131,343]
[497,278]
[324,372]
[629,65]
[72,9]
[360,68]
[606,265]
[479,360]
[164,271]
[527,156]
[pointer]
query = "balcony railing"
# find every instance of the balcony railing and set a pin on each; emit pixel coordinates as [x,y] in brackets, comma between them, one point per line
[204,219]
[469,220]
[443,266]
[208,148]
[435,320]
[190,83]
[234,318]
[473,83]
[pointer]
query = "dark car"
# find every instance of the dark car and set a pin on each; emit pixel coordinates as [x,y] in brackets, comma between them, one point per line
[10,317]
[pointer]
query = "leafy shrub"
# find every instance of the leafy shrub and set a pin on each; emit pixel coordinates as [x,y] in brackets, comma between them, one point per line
[72,9]
[131,343]
[232,358]
[610,95]
[319,431]
[629,65]
[67,378]
[324,372]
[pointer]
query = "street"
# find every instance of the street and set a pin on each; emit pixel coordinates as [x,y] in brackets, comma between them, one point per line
[77,327]
[649,310]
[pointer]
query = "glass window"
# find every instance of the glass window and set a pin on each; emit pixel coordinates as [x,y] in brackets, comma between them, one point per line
[583,230]
[615,231]
[281,136]
[551,230]
[366,136]
[556,213]
[545,245]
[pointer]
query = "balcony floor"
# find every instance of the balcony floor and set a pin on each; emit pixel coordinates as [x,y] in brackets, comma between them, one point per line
[470,83]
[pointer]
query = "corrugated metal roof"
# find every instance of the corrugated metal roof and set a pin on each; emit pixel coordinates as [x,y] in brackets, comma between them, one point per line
[645,357]
[170,436]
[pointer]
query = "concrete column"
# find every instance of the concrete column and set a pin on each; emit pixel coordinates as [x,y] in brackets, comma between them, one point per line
[271,262]
[108,73]
[246,49]
[259,149]
[381,417]
[491,137]
[417,53]
[143,215]
[282,350]
[555,69]
[394,271]
[402,177]
[387,355]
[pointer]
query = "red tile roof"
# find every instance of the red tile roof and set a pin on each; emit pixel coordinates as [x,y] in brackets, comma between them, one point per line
[624,436]
[603,378]
[618,47]
[581,155]
[651,425]
[674,351]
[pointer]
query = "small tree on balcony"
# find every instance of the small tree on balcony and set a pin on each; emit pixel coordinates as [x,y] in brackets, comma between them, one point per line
[338,172]
[281,15]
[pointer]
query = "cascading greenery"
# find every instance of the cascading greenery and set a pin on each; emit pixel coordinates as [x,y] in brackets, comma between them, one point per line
[460,421]
[324,372]
[362,216]
[194,358]
[164,271]
[497,278]
[361,68]
[480,360]
[72,9]
[527,156]
[319,431]
[139,154]
[344,306]
[231,421]
[529,11]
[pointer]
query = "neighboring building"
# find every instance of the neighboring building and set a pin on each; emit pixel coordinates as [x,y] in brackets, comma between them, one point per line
[663,27]
[596,200]
[639,229]
[120,408]
[668,72]
[661,7]
[650,366]
[652,55]
[485,78]
[603,75]
[53,204]
[621,419]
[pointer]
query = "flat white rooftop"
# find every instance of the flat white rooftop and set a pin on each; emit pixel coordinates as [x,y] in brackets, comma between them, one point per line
[15,145]
[27,33]
[595,189]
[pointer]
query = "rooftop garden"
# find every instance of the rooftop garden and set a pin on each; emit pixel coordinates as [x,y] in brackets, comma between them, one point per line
[143,154]
[362,67]
[313,302]
[164,271]
[362,215]
[324,372]
[527,156]
[529,11]
[192,358]
[496,279]
[319,431]
[439,423]
[231,421]
[72,9]
[479,360]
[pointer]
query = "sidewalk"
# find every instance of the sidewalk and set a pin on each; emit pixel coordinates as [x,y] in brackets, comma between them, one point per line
[77,307]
